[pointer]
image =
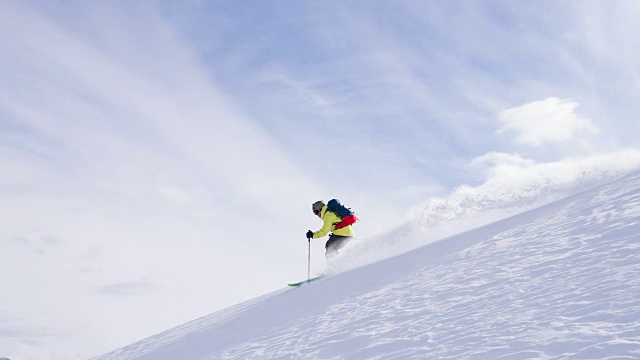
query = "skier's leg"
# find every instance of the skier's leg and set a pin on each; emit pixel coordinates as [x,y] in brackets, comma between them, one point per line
[330,249]
[335,243]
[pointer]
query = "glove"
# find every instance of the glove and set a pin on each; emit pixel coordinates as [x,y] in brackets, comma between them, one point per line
[309,234]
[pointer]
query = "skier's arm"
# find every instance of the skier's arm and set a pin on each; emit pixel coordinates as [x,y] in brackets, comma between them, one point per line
[326,227]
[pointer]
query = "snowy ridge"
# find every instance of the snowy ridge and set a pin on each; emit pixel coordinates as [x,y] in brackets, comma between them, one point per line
[559,282]
[507,190]
[165,338]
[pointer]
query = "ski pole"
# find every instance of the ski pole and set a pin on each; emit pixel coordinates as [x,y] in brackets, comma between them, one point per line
[309,261]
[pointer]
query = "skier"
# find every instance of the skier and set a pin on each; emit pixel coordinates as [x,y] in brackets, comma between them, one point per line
[338,238]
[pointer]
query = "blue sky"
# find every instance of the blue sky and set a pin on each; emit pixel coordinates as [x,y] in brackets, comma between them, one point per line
[161,157]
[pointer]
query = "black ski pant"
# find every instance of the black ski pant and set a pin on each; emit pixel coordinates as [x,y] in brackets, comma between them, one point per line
[335,243]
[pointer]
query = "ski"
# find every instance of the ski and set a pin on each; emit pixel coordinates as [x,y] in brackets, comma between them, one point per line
[303,282]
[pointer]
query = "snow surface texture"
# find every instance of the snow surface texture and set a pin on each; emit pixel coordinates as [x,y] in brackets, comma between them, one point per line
[558,282]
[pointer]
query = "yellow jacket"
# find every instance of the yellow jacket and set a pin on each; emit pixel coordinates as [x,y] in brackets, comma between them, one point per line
[330,220]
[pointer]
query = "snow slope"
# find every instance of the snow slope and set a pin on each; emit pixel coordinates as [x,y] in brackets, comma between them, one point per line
[558,282]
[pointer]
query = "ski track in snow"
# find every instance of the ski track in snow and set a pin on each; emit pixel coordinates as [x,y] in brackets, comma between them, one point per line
[559,282]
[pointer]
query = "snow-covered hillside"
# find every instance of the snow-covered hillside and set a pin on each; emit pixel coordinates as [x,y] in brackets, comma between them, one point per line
[558,282]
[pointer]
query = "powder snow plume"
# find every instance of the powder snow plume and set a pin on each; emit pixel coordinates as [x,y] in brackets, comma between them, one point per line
[510,185]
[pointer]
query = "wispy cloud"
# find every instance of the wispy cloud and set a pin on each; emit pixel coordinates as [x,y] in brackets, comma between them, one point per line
[551,120]
[124,148]
[128,288]
[433,75]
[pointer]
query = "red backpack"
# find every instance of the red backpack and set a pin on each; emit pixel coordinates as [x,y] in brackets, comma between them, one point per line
[347,217]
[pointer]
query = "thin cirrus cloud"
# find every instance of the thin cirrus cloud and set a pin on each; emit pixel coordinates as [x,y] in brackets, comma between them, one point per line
[137,172]
[436,76]
[128,288]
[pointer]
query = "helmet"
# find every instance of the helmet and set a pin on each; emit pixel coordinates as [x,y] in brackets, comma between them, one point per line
[317,206]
